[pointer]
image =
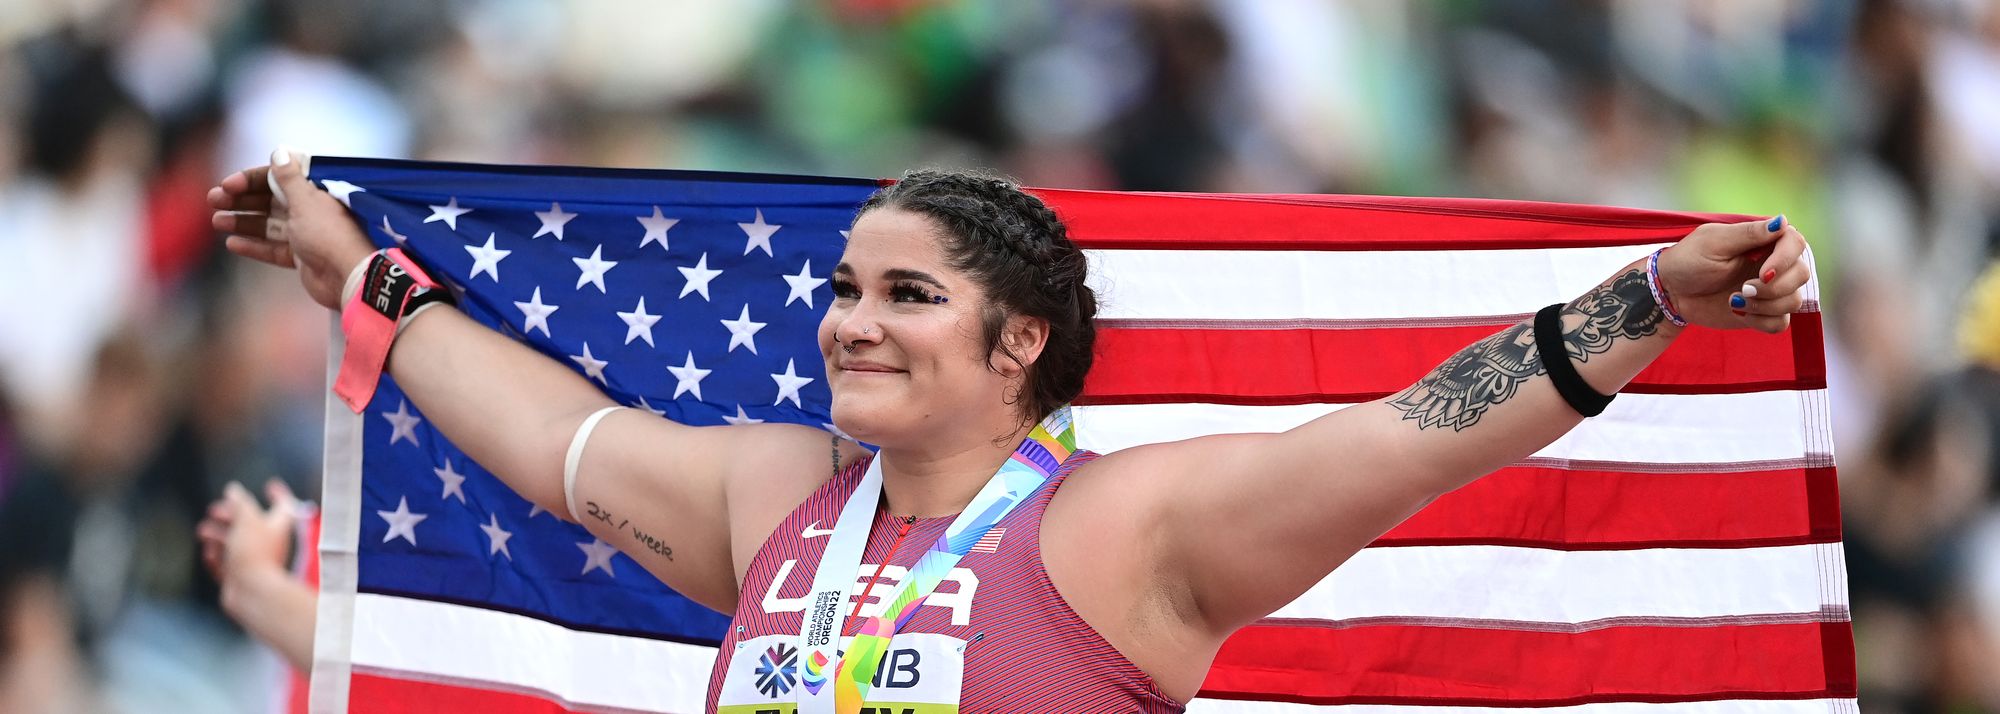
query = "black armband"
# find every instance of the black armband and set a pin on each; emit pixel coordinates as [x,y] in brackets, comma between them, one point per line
[1555,358]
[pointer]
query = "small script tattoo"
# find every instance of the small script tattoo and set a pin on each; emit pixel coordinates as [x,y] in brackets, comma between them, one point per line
[653,544]
[622,524]
[603,514]
[1492,370]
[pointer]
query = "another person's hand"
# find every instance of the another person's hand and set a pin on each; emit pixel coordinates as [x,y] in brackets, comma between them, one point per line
[244,544]
[1732,275]
[306,228]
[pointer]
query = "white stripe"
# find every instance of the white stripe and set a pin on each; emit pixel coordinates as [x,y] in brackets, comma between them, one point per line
[1349,285]
[588,669]
[1284,284]
[1636,428]
[339,534]
[1726,706]
[1535,585]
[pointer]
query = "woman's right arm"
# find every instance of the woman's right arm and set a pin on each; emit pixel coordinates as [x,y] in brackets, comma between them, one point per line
[657,490]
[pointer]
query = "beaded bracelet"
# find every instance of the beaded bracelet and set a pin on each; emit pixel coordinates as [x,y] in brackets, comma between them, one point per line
[1660,296]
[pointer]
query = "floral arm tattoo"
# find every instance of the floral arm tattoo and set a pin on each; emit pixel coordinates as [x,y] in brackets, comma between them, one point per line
[1492,370]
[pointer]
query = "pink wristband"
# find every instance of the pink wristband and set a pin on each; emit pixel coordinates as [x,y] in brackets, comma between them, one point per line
[389,284]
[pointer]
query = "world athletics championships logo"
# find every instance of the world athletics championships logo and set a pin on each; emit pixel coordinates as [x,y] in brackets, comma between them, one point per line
[815,676]
[777,670]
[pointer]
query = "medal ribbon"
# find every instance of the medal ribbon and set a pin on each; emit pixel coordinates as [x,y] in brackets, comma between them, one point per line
[1048,445]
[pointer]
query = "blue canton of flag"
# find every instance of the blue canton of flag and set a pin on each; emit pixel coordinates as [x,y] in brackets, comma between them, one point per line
[696,296]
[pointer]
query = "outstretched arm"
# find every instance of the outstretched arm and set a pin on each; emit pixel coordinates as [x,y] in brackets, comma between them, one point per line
[1250,521]
[514,410]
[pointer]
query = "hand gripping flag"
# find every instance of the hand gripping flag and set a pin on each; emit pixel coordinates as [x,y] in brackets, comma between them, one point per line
[1680,552]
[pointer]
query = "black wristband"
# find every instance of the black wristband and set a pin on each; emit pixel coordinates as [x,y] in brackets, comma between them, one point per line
[1555,358]
[391,291]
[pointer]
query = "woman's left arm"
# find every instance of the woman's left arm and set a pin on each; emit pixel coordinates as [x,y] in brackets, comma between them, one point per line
[1247,522]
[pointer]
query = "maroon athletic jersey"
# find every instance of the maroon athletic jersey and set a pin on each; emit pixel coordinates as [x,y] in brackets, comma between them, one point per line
[993,637]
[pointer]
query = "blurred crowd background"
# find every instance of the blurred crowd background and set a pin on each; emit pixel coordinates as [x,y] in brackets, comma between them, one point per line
[141,368]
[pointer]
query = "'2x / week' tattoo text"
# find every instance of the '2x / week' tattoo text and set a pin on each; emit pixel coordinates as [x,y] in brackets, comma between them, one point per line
[625,525]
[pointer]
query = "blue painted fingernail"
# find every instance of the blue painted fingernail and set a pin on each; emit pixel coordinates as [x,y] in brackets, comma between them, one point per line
[1737,301]
[1776,223]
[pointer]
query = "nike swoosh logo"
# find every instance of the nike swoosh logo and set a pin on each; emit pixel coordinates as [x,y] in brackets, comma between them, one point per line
[814,531]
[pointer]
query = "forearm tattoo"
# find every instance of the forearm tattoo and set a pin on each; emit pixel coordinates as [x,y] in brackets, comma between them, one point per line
[1492,370]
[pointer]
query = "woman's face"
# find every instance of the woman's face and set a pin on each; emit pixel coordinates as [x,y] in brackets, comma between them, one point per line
[918,364]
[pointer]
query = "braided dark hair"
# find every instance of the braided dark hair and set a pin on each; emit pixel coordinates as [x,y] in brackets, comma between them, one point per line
[1020,253]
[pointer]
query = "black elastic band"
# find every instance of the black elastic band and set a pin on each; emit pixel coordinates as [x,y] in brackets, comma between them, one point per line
[1555,357]
[395,293]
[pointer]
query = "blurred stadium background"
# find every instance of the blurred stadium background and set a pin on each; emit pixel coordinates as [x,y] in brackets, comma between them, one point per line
[141,368]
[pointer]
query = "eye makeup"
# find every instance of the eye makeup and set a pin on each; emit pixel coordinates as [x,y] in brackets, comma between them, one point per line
[905,290]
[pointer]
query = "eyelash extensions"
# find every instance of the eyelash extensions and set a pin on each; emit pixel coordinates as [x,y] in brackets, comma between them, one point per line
[899,291]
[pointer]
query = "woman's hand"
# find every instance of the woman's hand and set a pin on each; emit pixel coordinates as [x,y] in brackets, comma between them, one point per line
[305,228]
[1759,262]
[245,545]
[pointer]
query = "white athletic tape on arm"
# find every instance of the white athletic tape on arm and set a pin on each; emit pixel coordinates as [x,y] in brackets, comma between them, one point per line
[407,319]
[576,454]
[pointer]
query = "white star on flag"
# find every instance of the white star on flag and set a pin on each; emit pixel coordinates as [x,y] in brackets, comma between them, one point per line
[802,285]
[454,482]
[827,425]
[535,509]
[537,313]
[402,423]
[741,418]
[656,228]
[656,411]
[552,221]
[486,259]
[497,535]
[759,234]
[402,523]
[788,385]
[638,324]
[698,277]
[597,556]
[593,269]
[742,331]
[400,238]
[448,213]
[592,366]
[689,378]
[342,190]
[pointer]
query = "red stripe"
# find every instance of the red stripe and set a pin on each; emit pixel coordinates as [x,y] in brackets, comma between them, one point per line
[1104,219]
[1313,365]
[1546,507]
[390,695]
[1454,666]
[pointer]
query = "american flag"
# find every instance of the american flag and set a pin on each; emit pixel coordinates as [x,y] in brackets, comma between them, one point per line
[1680,552]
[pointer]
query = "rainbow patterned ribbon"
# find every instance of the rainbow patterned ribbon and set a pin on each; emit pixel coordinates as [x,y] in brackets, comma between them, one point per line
[1048,445]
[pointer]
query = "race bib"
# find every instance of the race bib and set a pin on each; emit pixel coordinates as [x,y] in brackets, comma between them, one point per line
[921,674]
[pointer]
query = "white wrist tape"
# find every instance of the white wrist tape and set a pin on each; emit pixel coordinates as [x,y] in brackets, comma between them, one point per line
[407,319]
[576,454]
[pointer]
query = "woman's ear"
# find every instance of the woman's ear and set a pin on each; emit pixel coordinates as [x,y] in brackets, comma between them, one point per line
[1023,338]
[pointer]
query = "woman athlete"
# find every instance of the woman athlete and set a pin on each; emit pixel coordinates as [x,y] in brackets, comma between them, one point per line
[961,323]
